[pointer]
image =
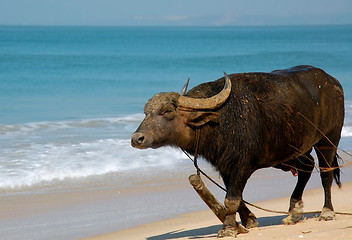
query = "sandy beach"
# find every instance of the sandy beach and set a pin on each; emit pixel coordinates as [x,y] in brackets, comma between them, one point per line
[165,209]
[204,224]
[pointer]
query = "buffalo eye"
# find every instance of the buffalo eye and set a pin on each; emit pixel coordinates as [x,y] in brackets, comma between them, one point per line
[168,114]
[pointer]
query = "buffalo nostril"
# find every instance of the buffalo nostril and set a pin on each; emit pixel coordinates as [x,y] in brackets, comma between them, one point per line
[137,139]
[141,139]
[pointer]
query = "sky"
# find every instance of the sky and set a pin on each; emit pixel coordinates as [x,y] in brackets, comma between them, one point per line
[175,12]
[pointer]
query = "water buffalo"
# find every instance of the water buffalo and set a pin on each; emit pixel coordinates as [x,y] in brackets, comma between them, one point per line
[249,121]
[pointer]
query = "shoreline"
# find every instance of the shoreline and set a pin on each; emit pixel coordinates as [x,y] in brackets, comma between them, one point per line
[205,225]
[108,206]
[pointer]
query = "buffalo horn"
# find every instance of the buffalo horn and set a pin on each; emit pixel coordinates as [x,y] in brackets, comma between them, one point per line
[213,102]
[184,89]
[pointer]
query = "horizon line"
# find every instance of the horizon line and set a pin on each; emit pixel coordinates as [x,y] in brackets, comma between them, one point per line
[185,26]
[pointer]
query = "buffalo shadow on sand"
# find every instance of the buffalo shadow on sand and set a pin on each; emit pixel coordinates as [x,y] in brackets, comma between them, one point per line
[211,231]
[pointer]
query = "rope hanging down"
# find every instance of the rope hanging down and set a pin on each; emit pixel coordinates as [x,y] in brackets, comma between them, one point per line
[195,162]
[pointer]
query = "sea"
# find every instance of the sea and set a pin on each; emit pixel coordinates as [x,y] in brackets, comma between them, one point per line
[71,97]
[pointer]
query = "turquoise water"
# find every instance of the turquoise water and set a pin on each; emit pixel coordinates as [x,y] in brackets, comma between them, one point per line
[71,96]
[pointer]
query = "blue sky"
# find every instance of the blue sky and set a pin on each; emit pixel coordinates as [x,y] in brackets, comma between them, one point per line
[174,12]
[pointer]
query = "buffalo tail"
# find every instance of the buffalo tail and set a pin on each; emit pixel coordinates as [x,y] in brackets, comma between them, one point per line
[337,170]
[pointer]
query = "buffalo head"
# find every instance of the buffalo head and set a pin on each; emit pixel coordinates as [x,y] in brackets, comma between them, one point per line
[172,118]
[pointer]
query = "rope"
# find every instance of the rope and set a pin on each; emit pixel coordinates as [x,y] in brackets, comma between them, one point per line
[275,211]
[332,144]
[204,174]
[195,162]
[222,188]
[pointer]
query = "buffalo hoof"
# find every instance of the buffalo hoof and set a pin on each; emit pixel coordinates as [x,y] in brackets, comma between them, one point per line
[251,223]
[291,219]
[229,231]
[241,229]
[295,213]
[327,214]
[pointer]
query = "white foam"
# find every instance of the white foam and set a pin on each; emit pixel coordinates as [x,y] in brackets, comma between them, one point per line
[347,128]
[47,152]
[346,131]
[44,163]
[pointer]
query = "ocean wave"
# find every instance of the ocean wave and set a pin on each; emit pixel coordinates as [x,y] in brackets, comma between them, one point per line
[347,128]
[40,164]
[79,123]
[346,131]
[44,153]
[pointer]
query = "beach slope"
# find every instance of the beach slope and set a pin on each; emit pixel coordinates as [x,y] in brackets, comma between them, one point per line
[204,224]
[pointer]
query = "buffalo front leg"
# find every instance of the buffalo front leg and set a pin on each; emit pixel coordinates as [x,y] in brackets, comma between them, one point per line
[235,184]
[247,217]
[230,227]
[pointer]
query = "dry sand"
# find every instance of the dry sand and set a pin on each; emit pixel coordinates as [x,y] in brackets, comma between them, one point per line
[204,224]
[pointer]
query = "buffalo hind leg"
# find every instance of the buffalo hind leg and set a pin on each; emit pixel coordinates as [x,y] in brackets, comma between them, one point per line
[327,161]
[304,165]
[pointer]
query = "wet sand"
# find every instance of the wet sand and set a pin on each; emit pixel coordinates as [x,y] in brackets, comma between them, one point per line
[204,225]
[155,205]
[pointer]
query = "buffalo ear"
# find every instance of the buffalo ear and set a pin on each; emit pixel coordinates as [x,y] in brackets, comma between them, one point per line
[198,119]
